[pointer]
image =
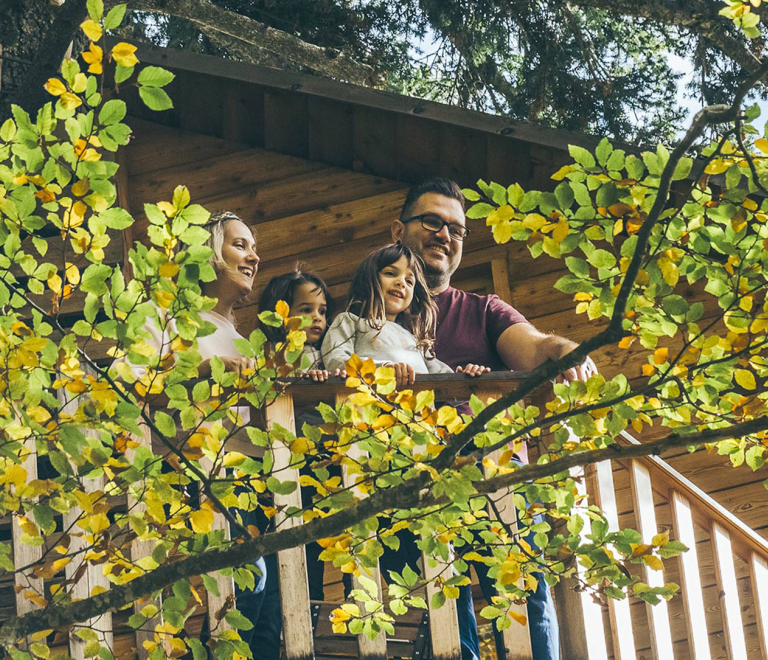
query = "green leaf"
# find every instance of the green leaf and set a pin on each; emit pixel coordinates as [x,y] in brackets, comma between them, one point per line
[565,196]
[112,112]
[683,169]
[95,10]
[581,156]
[165,424]
[198,650]
[480,210]
[8,130]
[122,73]
[115,17]
[154,76]
[116,218]
[470,195]
[237,620]
[603,151]
[155,98]
[602,259]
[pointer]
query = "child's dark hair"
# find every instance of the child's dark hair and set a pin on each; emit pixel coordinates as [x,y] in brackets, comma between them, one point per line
[366,298]
[283,287]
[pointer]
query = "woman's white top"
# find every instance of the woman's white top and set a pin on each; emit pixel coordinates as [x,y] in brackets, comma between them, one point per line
[349,335]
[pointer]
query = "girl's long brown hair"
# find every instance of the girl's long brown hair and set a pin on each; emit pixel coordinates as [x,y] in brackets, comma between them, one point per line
[366,298]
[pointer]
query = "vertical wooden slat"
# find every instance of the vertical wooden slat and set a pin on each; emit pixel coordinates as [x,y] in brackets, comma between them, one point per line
[443,622]
[658,615]
[730,608]
[618,610]
[292,563]
[690,581]
[93,575]
[141,548]
[517,638]
[368,649]
[759,576]
[591,611]
[26,555]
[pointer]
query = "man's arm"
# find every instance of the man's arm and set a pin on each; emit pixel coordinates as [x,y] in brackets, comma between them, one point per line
[522,348]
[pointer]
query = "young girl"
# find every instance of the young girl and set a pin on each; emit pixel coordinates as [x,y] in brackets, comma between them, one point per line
[306,295]
[390,317]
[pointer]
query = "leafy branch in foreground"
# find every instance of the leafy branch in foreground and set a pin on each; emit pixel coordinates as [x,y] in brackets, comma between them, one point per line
[634,230]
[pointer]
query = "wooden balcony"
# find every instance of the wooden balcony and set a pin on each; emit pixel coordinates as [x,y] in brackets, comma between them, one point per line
[721,611]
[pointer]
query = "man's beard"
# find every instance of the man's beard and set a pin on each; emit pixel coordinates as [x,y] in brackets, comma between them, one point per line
[436,279]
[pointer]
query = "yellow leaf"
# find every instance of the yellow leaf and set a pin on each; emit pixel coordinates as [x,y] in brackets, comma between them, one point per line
[717,166]
[563,172]
[92,30]
[168,269]
[70,101]
[282,309]
[72,274]
[55,87]
[762,144]
[745,378]
[669,271]
[660,355]
[54,283]
[501,214]
[560,231]
[502,232]
[516,616]
[82,187]
[654,562]
[626,342]
[201,520]
[124,54]
[648,370]
[661,538]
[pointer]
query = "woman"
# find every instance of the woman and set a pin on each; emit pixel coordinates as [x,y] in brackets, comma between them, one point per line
[236,263]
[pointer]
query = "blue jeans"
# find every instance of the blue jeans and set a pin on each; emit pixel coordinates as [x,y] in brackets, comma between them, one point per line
[262,607]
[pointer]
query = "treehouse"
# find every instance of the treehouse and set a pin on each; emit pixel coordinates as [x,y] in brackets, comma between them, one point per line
[320,169]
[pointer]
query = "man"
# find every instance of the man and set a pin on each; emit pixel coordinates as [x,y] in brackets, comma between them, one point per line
[481,330]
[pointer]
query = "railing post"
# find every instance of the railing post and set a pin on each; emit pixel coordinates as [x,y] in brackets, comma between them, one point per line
[141,548]
[730,608]
[292,563]
[93,576]
[583,634]
[23,554]
[759,578]
[517,638]
[368,649]
[690,580]
[618,610]
[658,615]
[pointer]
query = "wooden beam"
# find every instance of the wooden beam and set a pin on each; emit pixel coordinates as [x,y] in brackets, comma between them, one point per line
[317,86]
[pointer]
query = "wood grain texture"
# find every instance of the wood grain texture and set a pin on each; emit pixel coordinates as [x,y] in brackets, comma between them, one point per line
[292,563]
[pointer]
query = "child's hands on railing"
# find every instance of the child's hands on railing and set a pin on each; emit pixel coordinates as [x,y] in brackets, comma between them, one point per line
[404,374]
[472,370]
[321,375]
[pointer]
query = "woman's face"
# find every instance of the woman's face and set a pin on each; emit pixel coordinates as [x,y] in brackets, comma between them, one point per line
[238,252]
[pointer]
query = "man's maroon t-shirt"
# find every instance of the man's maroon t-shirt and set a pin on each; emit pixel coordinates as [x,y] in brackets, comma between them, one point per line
[468,327]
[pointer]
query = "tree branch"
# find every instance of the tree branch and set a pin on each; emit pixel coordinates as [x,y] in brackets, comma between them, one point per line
[694,15]
[212,19]
[31,95]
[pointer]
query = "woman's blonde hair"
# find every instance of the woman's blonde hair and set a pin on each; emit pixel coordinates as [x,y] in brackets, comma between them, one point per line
[366,298]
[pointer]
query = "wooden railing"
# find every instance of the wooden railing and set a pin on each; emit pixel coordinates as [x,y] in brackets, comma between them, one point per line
[588,630]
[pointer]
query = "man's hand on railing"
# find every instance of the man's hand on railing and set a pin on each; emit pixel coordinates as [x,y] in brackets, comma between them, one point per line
[321,375]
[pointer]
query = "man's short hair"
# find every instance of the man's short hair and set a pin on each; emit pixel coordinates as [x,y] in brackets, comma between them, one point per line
[438,185]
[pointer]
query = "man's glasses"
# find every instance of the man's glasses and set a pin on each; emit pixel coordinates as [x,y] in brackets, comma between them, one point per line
[435,224]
